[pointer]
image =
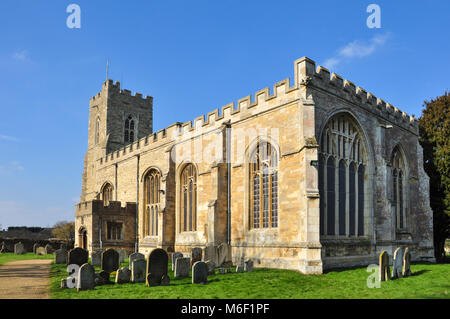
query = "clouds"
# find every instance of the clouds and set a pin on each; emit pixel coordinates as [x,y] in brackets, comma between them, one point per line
[8,138]
[21,56]
[11,167]
[356,49]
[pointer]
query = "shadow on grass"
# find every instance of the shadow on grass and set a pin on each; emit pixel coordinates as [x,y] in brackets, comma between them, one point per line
[418,273]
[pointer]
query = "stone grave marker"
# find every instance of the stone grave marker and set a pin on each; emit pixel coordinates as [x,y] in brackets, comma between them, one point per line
[138,269]
[196,255]
[398,263]
[86,277]
[110,260]
[48,249]
[35,246]
[96,258]
[182,267]
[406,268]
[122,255]
[19,249]
[40,251]
[384,266]
[135,256]
[199,273]
[157,264]
[222,254]
[78,256]
[174,257]
[211,267]
[248,266]
[60,256]
[123,275]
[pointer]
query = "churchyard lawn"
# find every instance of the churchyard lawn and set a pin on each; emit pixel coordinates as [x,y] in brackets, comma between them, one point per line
[7,257]
[427,281]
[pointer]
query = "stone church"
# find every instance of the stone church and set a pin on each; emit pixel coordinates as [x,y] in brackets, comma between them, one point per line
[310,175]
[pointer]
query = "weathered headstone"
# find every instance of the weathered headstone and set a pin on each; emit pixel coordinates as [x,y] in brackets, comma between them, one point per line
[122,255]
[110,260]
[40,251]
[248,266]
[406,268]
[48,249]
[104,277]
[211,267]
[60,256]
[86,277]
[196,255]
[19,249]
[138,268]
[384,266]
[222,254]
[199,273]
[135,256]
[240,268]
[123,275]
[64,283]
[35,246]
[78,256]
[398,263]
[182,267]
[174,257]
[157,264]
[3,248]
[96,258]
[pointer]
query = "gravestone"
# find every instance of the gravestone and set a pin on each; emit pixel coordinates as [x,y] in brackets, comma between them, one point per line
[64,283]
[86,277]
[248,266]
[200,273]
[398,263]
[156,267]
[110,260]
[19,249]
[96,258]
[406,268]
[48,249]
[123,275]
[182,267]
[135,256]
[211,267]
[222,254]
[78,256]
[138,267]
[122,255]
[165,281]
[384,266]
[40,251]
[174,257]
[60,256]
[104,277]
[240,268]
[3,248]
[35,246]
[196,255]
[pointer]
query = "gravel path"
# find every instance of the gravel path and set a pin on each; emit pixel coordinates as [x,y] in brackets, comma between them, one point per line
[25,279]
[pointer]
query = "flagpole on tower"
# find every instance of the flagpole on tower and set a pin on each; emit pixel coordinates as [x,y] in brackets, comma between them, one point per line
[107,69]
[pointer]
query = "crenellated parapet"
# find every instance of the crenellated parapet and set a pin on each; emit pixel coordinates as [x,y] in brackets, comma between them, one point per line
[112,87]
[97,206]
[320,78]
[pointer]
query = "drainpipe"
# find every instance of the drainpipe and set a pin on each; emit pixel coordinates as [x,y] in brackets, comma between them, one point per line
[100,232]
[228,159]
[136,246]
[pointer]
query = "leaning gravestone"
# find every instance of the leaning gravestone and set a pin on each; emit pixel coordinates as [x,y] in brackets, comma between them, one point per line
[384,266]
[110,260]
[19,249]
[398,263]
[35,246]
[196,255]
[86,277]
[104,277]
[406,268]
[200,273]
[40,251]
[48,249]
[135,256]
[182,267]
[156,267]
[174,257]
[123,275]
[60,256]
[211,267]
[78,256]
[248,266]
[138,267]
[96,258]
[222,254]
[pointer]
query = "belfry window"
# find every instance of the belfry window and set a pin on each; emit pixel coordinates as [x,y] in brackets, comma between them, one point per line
[107,193]
[152,202]
[342,162]
[188,198]
[264,186]
[130,129]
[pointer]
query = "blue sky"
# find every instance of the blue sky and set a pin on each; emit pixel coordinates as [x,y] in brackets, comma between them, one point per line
[192,57]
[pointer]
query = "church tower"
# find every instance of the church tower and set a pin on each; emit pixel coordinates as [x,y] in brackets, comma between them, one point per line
[116,119]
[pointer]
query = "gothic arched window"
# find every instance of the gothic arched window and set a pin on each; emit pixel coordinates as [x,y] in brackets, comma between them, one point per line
[398,191]
[152,182]
[263,163]
[342,162]
[188,198]
[130,129]
[107,194]
[97,131]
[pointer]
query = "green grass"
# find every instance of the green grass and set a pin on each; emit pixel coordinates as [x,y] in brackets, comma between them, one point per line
[427,281]
[7,257]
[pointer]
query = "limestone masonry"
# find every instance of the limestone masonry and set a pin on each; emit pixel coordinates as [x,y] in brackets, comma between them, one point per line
[316,174]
